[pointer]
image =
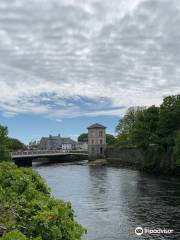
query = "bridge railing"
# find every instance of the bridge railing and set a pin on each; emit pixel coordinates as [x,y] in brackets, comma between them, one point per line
[35,152]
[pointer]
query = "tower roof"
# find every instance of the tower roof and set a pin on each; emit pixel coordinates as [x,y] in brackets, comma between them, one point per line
[96,125]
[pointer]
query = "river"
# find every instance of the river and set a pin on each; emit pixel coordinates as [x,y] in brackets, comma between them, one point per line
[111,202]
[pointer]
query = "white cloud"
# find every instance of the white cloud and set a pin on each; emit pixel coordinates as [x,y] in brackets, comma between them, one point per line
[64,59]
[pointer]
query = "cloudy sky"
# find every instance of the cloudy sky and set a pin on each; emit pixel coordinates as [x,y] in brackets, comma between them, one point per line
[67,63]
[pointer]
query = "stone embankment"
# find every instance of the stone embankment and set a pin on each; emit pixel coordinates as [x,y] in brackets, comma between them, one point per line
[125,157]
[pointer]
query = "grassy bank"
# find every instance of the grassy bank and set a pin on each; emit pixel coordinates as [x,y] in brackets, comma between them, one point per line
[29,212]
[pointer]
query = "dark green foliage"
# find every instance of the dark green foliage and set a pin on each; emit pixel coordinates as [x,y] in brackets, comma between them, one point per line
[14,144]
[126,123]
[26,206]
[169,120]
[154,128]
[124,141]
[8,144]
[4,154]
[177,148]
[111,140]
[126,126]
[83,137]
[144,131]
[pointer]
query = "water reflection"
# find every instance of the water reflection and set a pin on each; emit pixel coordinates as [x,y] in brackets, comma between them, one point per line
[98,188]
[111,202]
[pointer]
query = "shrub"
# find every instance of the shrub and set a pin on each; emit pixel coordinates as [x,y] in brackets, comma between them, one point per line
[17,235]
[26,206]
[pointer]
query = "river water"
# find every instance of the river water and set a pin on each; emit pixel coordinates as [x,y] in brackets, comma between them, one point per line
[111,202]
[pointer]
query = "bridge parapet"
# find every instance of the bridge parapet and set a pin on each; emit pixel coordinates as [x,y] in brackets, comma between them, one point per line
[35,152]
[45,152]
[25,158]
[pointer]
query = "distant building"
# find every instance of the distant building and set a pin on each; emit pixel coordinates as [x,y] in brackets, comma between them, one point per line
[82,146]
[33,145]
[57,143]
[96,141]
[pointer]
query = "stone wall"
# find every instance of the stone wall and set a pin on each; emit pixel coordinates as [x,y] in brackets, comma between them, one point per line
[125,157]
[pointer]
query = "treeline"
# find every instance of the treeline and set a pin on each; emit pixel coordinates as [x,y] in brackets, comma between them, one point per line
[110,139]
[153,130]
[8,144]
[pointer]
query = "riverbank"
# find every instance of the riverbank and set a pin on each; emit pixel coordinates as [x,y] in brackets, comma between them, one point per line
[154,160]
[29,212]
[98,162]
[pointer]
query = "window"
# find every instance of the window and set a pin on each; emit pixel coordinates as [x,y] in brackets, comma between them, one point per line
[101,141]
[100,133]
[92,141]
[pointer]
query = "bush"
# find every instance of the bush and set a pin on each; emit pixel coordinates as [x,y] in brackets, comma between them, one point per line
[17,235]
[26,206]
[4,154]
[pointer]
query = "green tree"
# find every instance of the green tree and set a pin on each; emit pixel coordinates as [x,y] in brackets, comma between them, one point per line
[111,140]
[145,127]
[4,154]
[124,141]
[160,126]
[177,148]
[14,144]
[125,126]
[169,120]
[83,137]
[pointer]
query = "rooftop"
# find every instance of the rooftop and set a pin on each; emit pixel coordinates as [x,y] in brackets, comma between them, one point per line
[96,125]
[58,138]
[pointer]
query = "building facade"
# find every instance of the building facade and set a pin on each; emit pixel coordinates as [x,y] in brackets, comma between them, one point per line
[57,143]
[96,141]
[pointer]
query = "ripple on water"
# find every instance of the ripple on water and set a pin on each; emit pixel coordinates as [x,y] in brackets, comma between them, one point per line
[111,202]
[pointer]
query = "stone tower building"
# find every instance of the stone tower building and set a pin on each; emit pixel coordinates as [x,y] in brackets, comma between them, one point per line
[96,141]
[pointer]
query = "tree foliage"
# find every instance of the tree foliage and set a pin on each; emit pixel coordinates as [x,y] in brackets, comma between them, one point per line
[14,144]
[144,131]
[125,127]
[169,120]
[26,206]
[126,123]
[83,137]
[4,155]
[17,235]
[177,148]
[111,140]
[8,144]
[145,127]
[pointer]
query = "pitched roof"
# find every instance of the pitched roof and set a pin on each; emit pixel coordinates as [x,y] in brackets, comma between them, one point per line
[68,140]
[58,139]
[96,125]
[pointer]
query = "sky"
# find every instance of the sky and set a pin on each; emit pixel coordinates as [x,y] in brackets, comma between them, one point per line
[66,64]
